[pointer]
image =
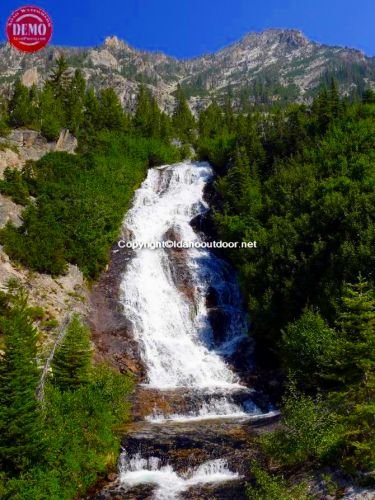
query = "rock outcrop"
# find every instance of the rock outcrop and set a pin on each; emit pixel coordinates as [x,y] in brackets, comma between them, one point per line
[24,144]
[57,296]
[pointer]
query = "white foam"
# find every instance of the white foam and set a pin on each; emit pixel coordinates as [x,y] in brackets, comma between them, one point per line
[175,336]
[137,470]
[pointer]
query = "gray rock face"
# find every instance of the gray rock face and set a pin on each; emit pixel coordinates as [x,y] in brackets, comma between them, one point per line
[284,63]
[24,144]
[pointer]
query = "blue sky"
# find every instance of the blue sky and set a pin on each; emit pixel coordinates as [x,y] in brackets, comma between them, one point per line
[186,28]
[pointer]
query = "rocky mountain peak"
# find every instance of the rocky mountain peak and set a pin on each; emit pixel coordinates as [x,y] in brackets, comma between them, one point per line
[291,38]
[113,42]
[273,65]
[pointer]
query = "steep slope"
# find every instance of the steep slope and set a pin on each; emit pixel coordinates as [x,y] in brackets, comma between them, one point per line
[276,64]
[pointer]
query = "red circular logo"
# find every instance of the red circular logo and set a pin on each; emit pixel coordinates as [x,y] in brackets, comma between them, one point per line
[29,29]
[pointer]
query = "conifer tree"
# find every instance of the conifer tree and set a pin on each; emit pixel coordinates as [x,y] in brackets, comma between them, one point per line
[90,118]
[21,109]
[60,79]
[52,116]
[211,121]
[165,127]
[75,99]
[334,98]
[142,115]
[357,323]
[148,119]
[321,110]
[183,119]
[4,116]
[71,364]
[111,115]
[368,96]
[20,420]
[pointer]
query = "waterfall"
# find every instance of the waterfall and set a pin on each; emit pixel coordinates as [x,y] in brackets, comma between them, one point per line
[137,470]
[167,297]
[175,335]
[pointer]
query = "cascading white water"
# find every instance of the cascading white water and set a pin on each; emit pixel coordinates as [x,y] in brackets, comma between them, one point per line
[137,470]
[175,335]
[178,346]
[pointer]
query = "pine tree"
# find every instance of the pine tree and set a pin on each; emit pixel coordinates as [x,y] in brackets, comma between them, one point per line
[142,115]
[71,365]
[52,116]
[165,127]
[322,110]
[368,96]
[148,119]
[111,115]
[211,121]
[60,79]
[183,119]
[20,420]
[21,110]
[90,119]
[334,98]
[75,99]
[357,323]
[4,116]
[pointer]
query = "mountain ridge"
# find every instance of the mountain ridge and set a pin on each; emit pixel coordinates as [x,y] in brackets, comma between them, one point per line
[273,65]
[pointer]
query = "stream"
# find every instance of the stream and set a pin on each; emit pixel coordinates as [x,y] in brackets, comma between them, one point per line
[195,412]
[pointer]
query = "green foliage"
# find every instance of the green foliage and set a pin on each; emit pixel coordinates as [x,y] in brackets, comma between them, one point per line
[22,109]
[110,116]
[266,486]
[311,431]
[356,321]
[148,120]
[71,365]
[14,186]
[51,114]
[183,120]
[54,449]
[79,438]
[300,181]
[80,202]
[309,204]
[21,438]
[310,349]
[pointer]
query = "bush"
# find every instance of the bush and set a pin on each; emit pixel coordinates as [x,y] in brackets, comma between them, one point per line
[266,486]
[310,348]
[310,432]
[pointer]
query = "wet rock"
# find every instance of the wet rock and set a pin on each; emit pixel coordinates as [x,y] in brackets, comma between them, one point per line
[119,492]
[111,330]
[231,490]
[178,267]
[219,323]
[203,225]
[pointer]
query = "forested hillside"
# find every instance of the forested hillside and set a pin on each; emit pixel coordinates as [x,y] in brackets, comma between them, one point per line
[300,181]
[56,439]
